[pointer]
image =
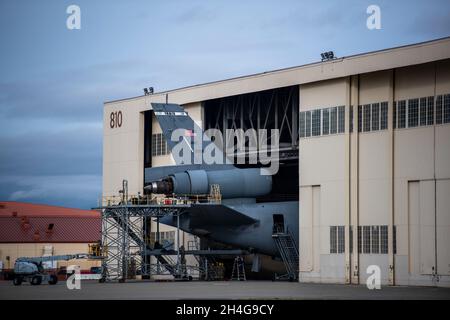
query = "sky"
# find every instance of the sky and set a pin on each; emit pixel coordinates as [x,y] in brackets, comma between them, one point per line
[54,81]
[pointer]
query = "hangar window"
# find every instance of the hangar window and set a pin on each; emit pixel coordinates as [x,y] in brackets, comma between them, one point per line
[375,239]
[447,108]
[326,121]
[351,239]
[375,116]
[366,239]
[341,119]
[359,240]
[341,239]
[423,111]
[413,113]
[384,116]
[366,117]
[394,118]
[308,124]
[430,112]
[359,118]
[394,236]
[333,239]
[351,119]
[401,114]
[337,239]
[159,145]
[384,239]
[438,109]
[316,122]
[333,120]
[165,237]
[302,125]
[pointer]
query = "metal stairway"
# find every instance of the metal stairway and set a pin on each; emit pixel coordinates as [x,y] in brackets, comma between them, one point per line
[206,264]
[165,261]
[288,249]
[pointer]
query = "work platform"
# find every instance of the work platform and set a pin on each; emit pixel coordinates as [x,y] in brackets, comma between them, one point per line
[126,244]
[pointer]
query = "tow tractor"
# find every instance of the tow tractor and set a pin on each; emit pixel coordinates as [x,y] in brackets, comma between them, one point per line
[31,269]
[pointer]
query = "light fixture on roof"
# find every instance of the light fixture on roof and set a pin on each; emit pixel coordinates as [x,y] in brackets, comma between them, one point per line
[148,91]
[326,56]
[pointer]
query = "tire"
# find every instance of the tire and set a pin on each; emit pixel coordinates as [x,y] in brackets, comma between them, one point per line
[36,280]
[102,280]
[53,279]
[17,281]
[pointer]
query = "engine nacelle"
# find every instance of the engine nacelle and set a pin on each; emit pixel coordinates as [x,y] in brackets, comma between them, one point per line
[234,183]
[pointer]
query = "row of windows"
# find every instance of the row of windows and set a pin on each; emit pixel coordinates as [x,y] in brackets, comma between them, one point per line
[371,239]
[337,239]
[371,117]
[159,145]
[165,237]
[422,111]
[322,122]
[374,117]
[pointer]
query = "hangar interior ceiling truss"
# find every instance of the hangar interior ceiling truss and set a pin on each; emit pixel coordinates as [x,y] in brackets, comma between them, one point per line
[270,109]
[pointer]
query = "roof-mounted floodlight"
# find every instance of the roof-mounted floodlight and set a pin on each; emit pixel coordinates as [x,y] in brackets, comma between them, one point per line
[329,55]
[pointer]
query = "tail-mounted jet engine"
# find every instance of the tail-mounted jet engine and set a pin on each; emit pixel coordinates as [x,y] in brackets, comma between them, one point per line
[234,183]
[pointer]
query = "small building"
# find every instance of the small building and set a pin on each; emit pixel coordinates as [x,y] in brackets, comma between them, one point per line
[34,230]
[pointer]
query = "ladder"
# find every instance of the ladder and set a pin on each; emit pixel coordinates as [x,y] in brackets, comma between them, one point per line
[289,253]
[238,269]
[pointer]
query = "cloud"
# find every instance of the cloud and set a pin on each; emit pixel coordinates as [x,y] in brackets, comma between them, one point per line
[43,151]
[75,94]
[78,191]
[432,23]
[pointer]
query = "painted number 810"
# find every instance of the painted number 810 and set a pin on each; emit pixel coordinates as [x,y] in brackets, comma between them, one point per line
[115,119]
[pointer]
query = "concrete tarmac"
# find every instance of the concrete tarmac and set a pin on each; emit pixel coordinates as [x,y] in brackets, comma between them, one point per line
[138,290]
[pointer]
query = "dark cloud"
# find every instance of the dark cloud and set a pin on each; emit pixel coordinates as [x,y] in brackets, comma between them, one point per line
[77,191]
[75,94]
[432,23]
[76,150]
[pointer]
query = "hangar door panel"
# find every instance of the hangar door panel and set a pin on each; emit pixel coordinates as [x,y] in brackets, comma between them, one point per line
[309,228]
[427,228]
[443,226]
[422,227]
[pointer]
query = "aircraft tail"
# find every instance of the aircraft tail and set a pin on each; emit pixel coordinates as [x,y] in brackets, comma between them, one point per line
[183,135]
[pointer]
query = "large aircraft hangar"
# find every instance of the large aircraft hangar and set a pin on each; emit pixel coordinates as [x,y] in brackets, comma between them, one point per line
[364,148]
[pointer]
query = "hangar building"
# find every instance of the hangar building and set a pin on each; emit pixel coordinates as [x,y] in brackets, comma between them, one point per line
[368,137]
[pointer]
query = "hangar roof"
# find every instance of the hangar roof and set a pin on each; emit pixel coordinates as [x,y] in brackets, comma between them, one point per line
[26,222]
[397,57]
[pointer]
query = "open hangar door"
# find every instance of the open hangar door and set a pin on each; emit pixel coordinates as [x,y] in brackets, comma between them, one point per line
[270,109]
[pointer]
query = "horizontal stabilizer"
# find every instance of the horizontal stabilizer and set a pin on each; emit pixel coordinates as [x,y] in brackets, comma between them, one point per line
[202,216]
